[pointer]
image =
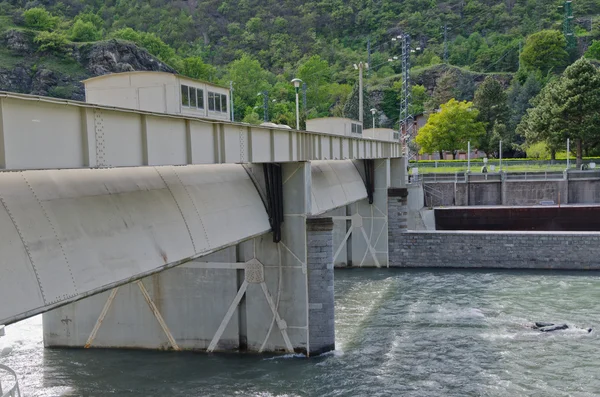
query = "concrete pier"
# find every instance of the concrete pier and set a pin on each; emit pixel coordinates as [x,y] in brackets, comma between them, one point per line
[257,296]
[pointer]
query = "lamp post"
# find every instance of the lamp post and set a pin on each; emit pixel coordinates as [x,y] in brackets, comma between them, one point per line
[297,82]
[373,111]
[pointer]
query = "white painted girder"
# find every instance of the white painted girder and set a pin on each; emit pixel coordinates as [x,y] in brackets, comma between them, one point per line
[41,133]
[67,234]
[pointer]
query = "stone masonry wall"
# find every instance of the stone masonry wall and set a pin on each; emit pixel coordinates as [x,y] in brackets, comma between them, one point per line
[321,321]
[485,249]
[397,219]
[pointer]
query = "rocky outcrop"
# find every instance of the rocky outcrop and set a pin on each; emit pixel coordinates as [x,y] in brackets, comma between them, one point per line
[29,77]
[116,56]
[19,42]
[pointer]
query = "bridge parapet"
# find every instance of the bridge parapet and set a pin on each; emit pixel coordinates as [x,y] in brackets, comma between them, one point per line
[41,133]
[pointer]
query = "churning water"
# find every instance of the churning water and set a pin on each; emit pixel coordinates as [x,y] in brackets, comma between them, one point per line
[399,333]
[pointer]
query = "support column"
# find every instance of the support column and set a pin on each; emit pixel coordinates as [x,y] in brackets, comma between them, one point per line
[321,330]
[397,196]
[369,222]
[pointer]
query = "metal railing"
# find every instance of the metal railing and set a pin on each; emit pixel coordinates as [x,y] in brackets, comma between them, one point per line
[431,193]
[459,177]
[12,390]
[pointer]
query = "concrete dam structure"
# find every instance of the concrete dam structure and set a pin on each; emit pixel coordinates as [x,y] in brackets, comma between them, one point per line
[172,232]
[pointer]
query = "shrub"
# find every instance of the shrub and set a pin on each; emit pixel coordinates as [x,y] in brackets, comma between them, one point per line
[51,41]
[84,31]
[40,19]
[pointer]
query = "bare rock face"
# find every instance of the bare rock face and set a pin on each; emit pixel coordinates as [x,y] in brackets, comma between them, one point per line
[18,41]
[96,58]
[17,79]
[116,56]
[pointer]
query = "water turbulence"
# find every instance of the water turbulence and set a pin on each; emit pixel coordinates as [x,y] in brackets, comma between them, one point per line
[398,333]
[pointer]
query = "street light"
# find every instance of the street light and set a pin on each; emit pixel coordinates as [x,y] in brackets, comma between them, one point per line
[373,111]
[296,83]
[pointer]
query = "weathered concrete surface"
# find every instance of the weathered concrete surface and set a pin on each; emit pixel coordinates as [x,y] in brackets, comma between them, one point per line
[485,193]
[515,250]
[585,191]
[71,233]
[191,300]
[533,192]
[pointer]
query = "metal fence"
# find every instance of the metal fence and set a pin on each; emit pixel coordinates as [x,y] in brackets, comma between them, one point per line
[459,177]
[9,384]
[496,162]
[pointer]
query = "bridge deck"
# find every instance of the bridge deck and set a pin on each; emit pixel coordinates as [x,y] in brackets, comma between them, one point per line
[47,133]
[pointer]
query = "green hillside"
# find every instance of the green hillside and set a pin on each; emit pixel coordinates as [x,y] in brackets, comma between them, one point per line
[262,45]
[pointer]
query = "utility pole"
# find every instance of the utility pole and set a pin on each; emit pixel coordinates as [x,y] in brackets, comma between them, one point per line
[568,26]
[368,54]
[406,119]
[445,42]
[360,92]
[265,95]
[231,100]
[304,99]
[360,66]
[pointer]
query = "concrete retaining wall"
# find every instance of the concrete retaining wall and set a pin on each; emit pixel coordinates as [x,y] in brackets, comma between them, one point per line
[510,250]
[485,193]
[579,191]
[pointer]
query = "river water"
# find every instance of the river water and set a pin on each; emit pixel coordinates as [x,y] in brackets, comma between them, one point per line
[398,333]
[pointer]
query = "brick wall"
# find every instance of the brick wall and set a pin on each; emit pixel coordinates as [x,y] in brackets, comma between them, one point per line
[516,250]
[321,320]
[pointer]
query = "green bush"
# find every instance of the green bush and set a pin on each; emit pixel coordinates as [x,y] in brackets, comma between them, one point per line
[40,19]
[51,41]
[84,31]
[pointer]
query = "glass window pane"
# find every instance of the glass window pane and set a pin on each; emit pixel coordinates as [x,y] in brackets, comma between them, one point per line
[192,97]
[200,94]
[211,101]
[224,103]
[185,98]
[218,102]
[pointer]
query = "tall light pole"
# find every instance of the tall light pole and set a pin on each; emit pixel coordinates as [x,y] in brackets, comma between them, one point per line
[373,111]
[297,88]
[360,66]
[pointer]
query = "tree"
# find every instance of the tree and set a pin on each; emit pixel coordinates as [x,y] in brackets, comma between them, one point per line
[315,72]
[545,51]
[567,108]
[490,100]
[519,100]
[54,42]
[195,68]
[451,128]
[40,19]
[84,31]
[593,52]
[445,89]
[249,79]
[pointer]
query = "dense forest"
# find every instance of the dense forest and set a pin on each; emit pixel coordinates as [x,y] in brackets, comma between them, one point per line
[261,45]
